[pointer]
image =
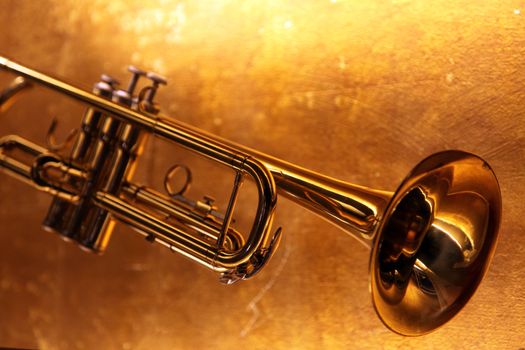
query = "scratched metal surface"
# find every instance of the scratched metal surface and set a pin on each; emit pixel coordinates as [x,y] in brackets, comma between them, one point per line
[357,90]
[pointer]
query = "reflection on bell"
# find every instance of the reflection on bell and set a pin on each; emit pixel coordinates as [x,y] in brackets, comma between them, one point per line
[404,234]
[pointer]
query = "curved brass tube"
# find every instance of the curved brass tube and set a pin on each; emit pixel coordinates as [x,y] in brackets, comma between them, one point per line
[7,96]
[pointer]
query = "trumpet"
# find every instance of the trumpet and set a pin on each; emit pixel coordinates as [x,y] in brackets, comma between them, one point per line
[430,241]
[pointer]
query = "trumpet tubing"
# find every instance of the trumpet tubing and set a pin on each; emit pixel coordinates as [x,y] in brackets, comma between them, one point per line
[431,240]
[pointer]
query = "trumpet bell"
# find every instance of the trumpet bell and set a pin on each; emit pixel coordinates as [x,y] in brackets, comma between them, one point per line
[435,242]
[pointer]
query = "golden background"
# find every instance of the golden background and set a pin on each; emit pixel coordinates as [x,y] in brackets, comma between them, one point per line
[358,90]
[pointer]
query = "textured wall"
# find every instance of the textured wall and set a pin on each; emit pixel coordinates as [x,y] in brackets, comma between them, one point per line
[359,90]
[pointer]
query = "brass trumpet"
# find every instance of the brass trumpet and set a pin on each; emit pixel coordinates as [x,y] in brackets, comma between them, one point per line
[431,240]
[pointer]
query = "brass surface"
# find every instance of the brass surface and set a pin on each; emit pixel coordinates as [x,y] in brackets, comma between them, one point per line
[387,81]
